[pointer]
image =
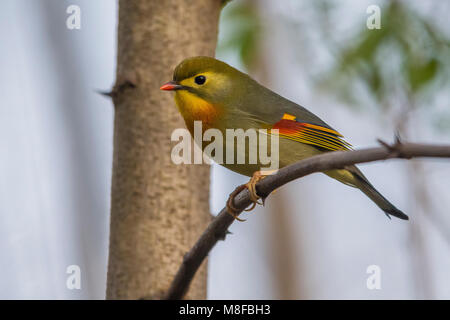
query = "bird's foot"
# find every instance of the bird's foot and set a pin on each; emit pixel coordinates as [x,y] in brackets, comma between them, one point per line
[231,209]
[251,186]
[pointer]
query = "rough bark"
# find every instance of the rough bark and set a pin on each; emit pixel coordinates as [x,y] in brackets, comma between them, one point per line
[158,209]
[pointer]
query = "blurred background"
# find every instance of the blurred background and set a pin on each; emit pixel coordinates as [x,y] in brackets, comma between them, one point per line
[315,238]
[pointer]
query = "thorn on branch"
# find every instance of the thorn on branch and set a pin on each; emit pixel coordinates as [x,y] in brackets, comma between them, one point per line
[222,236]
[397,139]
[394,149]
[105,93]
[117,89]
[120,86]
[386,145]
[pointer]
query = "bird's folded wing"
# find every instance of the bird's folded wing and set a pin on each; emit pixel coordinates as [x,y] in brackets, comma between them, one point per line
[310,133]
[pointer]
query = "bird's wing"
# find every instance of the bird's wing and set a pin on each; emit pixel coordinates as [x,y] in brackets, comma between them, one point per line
[310,133]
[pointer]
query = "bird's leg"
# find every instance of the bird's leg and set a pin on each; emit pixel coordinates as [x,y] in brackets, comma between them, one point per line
[251,186]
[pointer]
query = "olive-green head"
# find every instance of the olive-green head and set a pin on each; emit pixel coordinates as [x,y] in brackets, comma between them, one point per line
[208,78]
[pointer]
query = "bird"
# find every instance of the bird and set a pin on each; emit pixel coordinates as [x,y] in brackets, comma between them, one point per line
[222,97]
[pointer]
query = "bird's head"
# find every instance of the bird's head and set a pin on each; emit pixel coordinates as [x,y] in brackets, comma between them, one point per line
[206,78]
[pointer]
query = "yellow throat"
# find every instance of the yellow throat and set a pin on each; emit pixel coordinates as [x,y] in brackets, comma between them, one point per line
[194,108]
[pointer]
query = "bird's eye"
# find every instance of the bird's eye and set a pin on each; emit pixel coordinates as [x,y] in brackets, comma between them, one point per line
[200,80]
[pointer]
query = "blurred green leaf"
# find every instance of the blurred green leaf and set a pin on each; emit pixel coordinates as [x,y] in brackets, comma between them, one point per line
[420,74]
[365,50]
[407,53]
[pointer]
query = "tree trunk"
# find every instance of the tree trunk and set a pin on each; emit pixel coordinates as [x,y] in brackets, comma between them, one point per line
[158,209]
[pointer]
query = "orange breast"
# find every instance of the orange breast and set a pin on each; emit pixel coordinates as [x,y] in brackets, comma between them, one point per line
[193,108]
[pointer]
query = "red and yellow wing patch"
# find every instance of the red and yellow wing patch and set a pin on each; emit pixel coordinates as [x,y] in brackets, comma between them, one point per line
[309,133]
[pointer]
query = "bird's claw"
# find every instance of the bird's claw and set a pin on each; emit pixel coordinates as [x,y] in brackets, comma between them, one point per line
[251,186]
[231,209]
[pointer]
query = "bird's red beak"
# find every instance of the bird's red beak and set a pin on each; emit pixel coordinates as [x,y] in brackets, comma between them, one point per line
[170,86]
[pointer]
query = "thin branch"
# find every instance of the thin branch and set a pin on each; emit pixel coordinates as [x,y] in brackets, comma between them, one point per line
[217,229]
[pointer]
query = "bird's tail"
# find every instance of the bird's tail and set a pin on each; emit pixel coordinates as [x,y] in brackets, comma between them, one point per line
[384,204]
[355,178]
